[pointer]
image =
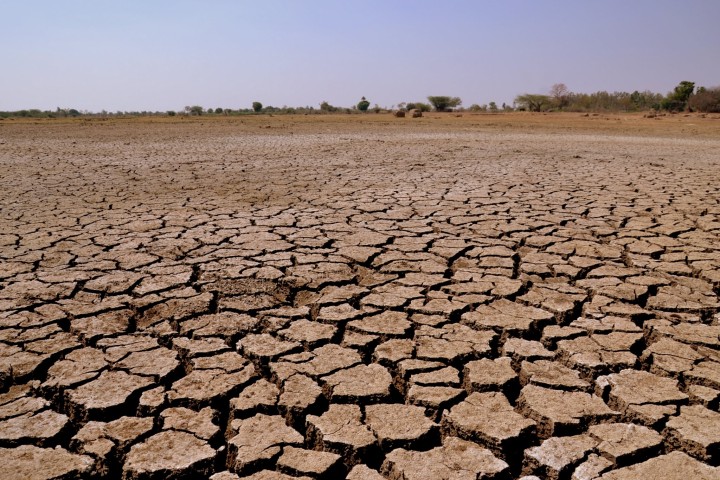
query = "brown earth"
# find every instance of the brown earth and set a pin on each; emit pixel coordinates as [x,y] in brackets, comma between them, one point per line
[278,297]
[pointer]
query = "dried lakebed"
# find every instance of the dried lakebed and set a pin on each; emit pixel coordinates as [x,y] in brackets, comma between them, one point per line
[180,301]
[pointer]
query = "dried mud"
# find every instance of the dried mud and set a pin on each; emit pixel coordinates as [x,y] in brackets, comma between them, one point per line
[360,297]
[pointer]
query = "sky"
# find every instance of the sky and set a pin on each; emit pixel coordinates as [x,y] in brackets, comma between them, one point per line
[165,54]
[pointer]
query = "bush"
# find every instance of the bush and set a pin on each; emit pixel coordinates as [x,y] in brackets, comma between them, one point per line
[363,105]
[257,107]
[706,100]
[423,107]
[533,102]
[326,107]
[443,103]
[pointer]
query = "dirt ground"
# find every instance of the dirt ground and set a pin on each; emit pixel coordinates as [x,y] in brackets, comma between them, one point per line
[360,297]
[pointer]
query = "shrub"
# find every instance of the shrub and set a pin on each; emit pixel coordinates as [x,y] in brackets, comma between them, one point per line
[443,103]
[257,107]
[363,105]
[706,100]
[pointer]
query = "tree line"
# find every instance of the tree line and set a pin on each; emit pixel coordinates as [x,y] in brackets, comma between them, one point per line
[684,97]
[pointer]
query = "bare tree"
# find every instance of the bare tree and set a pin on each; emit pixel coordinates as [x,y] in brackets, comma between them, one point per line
[560,94]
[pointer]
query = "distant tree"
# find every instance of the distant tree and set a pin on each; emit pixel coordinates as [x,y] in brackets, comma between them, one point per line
[171,113]
[326,107]
[560,95]
[443,103]
[677,100]
[493,107]
[705,100]
[194,110]
[475,108]
[683,91]
[73,112]
[363,105]
[257,107]
[218,110]
[533,102]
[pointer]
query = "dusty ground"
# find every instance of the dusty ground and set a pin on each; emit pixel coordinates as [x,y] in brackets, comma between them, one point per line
[485,296]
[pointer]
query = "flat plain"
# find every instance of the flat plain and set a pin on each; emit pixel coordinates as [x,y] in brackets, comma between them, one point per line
[360,296]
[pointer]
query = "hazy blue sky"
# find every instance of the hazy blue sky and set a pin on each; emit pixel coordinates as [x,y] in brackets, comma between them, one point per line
[165,54]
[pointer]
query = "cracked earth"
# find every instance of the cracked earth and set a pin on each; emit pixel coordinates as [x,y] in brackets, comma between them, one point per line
[290,298]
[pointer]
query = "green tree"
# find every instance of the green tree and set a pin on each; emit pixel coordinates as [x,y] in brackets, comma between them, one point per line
[363,105]
[326,107]
[493,107]
[533,102]
[683,91]
[677,100]
[423,107]
[443,103]
[257,107]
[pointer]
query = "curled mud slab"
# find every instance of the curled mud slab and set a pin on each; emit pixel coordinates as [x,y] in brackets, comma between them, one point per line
[284,298]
